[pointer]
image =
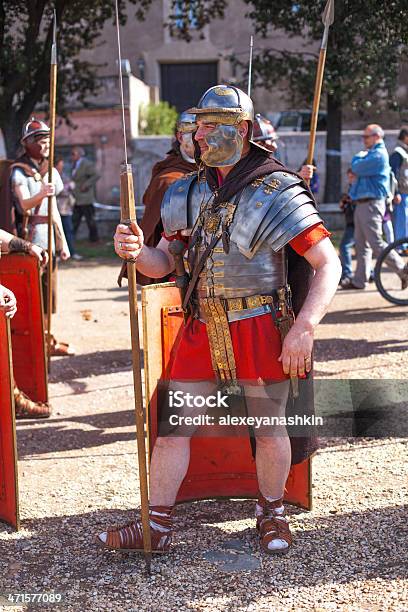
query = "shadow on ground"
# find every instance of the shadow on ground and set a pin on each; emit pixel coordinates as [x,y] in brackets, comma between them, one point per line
[60,551]
[53,436]
[335,349]
[360,315]
[90,364]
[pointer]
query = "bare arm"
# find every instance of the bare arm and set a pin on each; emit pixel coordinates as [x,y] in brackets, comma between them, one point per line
[56,217]
[5,239]
[23,195]
[298,344]
[11,244]
[154,262]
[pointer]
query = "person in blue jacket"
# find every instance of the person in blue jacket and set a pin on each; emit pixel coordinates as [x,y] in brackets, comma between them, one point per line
[369,193]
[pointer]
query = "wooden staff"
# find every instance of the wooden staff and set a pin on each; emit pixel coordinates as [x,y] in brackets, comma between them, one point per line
[53,95]
[128,217]
[327,18]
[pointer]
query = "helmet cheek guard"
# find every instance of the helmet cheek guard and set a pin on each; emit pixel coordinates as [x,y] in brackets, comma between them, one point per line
[226,107]
[186,123]
[225,145]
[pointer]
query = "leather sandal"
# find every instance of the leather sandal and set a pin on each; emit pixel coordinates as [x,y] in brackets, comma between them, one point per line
[27,409]
[60,349]
[129,537]
[273,527]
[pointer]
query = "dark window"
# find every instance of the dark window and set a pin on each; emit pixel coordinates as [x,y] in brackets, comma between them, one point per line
[182,85]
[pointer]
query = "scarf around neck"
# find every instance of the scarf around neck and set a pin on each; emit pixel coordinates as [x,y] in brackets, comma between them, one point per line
[256,164]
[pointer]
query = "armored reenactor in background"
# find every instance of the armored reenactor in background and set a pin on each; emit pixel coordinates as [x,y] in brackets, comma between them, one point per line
[254,237]
[31,189]
[178,162]
[24,406]
[265,135]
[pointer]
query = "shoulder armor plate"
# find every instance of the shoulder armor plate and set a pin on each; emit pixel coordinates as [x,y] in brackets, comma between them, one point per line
[275,209]
[174,211]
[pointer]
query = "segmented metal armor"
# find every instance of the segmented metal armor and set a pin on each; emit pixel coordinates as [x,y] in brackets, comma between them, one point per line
[269,213]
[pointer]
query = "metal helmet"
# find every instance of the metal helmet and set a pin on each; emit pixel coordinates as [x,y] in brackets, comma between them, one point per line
[34,127]
[186,122]
[263,129]
[227,103]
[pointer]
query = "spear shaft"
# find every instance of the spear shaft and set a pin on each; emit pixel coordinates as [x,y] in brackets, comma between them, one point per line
[328,18]
[251,52]
[128,216]
[53,95]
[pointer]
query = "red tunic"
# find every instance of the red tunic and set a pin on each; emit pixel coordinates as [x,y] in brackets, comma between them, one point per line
[256,341]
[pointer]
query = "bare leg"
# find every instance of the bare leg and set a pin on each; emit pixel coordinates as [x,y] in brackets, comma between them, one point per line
[171,453]
[273,453]
[272,465]
[169,465]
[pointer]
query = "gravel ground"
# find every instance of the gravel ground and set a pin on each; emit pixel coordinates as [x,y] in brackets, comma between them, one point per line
[78,474]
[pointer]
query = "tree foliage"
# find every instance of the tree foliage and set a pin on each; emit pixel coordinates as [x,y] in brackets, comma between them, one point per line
[368,43]
[158,119]
[198,13]
[25,47]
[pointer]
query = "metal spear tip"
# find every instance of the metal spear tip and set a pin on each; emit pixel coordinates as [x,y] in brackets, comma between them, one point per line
[328,14]
[54,32]
[54,41]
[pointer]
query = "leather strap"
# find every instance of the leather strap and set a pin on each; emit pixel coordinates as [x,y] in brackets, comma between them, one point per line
[201,263]
[38,219]
[198,269]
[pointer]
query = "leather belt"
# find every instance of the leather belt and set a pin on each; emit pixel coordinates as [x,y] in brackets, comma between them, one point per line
[37,219]
[250,302]
[244,307]
[220,312]
[247,313]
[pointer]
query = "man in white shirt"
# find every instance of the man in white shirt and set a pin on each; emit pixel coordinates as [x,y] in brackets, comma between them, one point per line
[31,190]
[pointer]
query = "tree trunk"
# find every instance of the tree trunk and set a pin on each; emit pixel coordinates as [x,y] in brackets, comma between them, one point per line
[12,134]
[332,189]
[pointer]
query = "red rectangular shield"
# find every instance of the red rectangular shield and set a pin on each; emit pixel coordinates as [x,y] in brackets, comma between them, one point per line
[219,466]
[8,448]
[21,274]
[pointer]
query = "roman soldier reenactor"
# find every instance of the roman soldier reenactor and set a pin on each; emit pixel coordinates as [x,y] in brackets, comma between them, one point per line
[31,189]
[262,273]
[265,134]
[178,162]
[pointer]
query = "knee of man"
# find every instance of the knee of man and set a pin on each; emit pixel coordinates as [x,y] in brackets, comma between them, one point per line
[265,441]
[171,442]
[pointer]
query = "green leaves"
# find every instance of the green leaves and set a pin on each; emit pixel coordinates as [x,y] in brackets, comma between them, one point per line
[25,49]
[158,119]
